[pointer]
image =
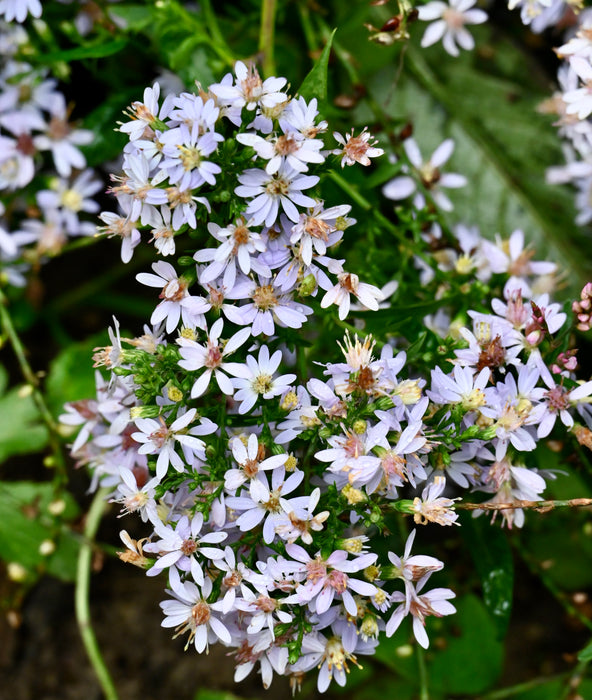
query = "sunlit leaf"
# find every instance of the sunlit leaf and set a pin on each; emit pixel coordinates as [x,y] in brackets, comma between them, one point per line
[26,523]
[315,83]
[21,429]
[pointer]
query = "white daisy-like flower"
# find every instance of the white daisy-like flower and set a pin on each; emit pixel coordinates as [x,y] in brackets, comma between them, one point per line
[176,303]
[190,612]
[249,90]
[356,149]
[347,284]
[256,379]
[430,175]
[19,9]
[268,192]
[448,24]
[212,358]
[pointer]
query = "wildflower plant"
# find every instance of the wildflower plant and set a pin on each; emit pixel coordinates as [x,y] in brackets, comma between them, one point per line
[330,353]
[269,485]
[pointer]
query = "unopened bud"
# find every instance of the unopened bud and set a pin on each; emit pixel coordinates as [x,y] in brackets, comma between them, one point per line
[16,572]
[144,412]
[359,427]
[46,548]
[174,393]
[372,572]
[57,507]
[307,286]
[24,391]
[353,495]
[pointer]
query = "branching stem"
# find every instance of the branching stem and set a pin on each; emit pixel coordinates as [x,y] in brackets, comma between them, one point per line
[32,380]
[540,506]
[81,600]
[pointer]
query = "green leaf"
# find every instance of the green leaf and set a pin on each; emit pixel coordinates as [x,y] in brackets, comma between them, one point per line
[21,430]
[586,653]
[26,523]
[502,144]
[71,376]
[208,694]
[492,556]
[315,83]
[135,17]
[96,50]
[472,659]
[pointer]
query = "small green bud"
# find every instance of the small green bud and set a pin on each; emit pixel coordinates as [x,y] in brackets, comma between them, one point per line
[307,286]
[144,412]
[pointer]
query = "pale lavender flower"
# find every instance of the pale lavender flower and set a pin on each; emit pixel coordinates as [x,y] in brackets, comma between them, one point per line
[434,602]
[212,358]
[268,192]
[264,503]
[257,379]
[190,612]
[176,302]
[249,90]
[429,172]
[159,438]
[448,24]
[182,545]
[250,462]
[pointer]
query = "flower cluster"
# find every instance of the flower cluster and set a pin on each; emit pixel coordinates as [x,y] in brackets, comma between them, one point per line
[34,121]
[265,487]
[572,105]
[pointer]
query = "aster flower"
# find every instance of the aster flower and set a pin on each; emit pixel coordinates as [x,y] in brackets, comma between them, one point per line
[434,602]
[431,507]
[250,460]
[356,149]
[256,379]
[123,227]
[62,140]
[347,284]
[327,577]
[156,437]
[268,192]
[181,546]
[249,90]
[265,504]
[19,9]
[190,612]
[239,250]
[448,23]
[268,307]
[291,148]
[212,358]
[176,302]
[144,114]
[429,173]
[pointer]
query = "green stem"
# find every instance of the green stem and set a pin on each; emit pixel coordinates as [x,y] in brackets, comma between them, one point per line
[82,596]
[33,381]
[574,679]
[222,48]
[307,28]
[510,691]
[424,692]
[266,36]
